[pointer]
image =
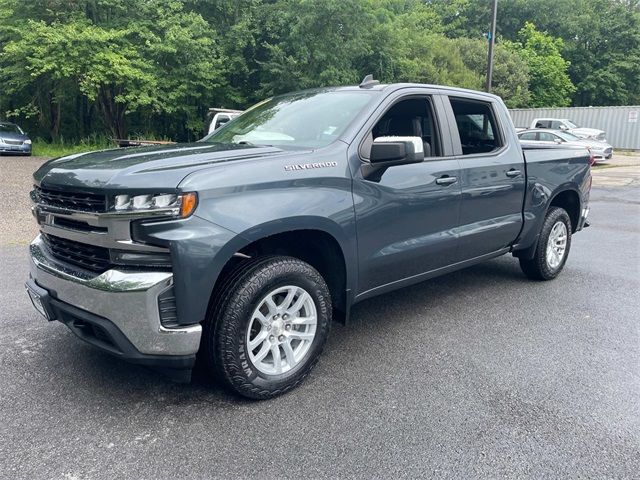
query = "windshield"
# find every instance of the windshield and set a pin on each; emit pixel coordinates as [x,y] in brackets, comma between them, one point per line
[569,137]
[570,124]
[306,119]
[9,128]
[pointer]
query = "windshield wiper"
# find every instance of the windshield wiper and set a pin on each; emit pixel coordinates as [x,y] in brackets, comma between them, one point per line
[247,142]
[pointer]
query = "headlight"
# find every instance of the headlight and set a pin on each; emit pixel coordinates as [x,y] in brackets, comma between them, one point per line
[178,205]
[27,142]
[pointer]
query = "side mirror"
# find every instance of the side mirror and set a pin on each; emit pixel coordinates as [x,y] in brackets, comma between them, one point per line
[563,127]
[558,141]
[389,151]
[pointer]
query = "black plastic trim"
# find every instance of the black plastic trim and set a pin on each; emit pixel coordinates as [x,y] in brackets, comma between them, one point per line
[116,343]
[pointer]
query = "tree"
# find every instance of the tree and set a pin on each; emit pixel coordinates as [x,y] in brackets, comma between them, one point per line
[510,70]
[549,82]
[124,58]
[601,39]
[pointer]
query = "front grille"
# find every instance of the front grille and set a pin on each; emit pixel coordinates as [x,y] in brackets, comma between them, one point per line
[13,142]
[86,202]
[83,255]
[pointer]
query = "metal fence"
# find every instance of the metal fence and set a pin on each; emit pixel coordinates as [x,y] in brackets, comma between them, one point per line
[622,124]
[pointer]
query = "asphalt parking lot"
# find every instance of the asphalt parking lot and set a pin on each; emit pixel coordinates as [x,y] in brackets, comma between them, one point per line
[478,374]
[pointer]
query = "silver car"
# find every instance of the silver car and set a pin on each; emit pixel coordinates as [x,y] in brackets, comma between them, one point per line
[600,150]
[13,140]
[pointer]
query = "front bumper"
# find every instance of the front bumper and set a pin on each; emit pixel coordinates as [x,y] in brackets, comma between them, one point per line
[23,149]
[121,306]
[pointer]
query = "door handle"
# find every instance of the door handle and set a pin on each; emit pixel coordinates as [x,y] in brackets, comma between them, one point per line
[513,173]
[446,180]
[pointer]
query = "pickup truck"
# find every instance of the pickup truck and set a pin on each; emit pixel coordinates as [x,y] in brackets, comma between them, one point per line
[567,125]
[242,247]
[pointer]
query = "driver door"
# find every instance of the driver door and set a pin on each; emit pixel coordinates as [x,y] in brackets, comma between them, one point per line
[406,215]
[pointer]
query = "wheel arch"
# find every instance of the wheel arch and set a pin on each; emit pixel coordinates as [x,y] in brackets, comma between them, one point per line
[322,244]
[566,197]
[569,200]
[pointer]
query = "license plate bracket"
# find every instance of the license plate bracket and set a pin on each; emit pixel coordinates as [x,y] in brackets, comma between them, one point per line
[40,300]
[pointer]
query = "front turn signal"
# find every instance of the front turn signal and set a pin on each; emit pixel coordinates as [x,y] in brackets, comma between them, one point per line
[188,204]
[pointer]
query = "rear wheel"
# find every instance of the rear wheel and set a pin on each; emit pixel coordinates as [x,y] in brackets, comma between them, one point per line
[553,247]
[269,327]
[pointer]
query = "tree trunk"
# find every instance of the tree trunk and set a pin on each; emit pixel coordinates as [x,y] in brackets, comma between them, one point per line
[114,113]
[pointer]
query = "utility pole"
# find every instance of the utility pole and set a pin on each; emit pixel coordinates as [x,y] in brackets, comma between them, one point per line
[492,39]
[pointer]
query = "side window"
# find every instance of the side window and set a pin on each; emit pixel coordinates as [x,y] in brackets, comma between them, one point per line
[221,120]
[476,125]
[547,137]
[528,136]
[543,124]
[556,125]
[412,117]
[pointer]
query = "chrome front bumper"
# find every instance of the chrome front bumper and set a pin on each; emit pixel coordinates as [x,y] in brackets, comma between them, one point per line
[129,300]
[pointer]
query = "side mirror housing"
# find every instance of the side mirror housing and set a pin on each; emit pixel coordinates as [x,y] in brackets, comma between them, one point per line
[389,151]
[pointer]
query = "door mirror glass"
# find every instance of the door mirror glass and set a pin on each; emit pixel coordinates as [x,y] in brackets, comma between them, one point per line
[397,150]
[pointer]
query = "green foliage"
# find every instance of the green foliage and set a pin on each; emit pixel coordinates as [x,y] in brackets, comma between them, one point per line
[152,68]
[549,82]
[601,39]
[108,61]
[62,147]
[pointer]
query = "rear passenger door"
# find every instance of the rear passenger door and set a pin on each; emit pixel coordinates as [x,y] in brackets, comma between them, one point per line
[492,176]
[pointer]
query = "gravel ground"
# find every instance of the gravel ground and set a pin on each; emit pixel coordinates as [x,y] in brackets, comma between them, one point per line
[477,374]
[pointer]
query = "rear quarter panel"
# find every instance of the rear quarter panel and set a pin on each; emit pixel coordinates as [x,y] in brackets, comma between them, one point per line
[551,171]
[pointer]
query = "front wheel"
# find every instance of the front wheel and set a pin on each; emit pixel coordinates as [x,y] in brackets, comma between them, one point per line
[553,247]
[269,327]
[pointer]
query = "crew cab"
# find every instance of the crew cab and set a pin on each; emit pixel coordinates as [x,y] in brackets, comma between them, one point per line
[241,248]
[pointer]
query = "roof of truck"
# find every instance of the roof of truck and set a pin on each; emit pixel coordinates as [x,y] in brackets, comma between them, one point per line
[398,86]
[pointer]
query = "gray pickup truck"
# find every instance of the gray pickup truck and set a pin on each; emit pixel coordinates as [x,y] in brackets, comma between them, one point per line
[242,247]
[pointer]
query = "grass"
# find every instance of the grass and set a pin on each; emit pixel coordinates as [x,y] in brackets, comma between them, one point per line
[62,147]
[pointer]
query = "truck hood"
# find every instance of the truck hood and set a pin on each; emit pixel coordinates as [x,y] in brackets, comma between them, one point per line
[157,167]
[586,132]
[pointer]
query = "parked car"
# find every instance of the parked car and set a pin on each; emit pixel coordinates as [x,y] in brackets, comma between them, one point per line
[13,140]
[568,126]
[221,116]
[244,246]
[600,150]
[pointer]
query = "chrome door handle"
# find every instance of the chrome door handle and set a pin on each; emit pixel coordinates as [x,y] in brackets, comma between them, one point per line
[513,173]
[446,180]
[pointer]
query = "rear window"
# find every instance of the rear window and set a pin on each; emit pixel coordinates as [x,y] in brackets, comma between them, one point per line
[528,136]
[477,126]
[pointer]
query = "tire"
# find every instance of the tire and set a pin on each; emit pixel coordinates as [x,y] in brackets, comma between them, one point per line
[242,316]
[546,265]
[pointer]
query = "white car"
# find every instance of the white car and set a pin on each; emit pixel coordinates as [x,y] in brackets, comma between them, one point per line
[600,150]
[568,126]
